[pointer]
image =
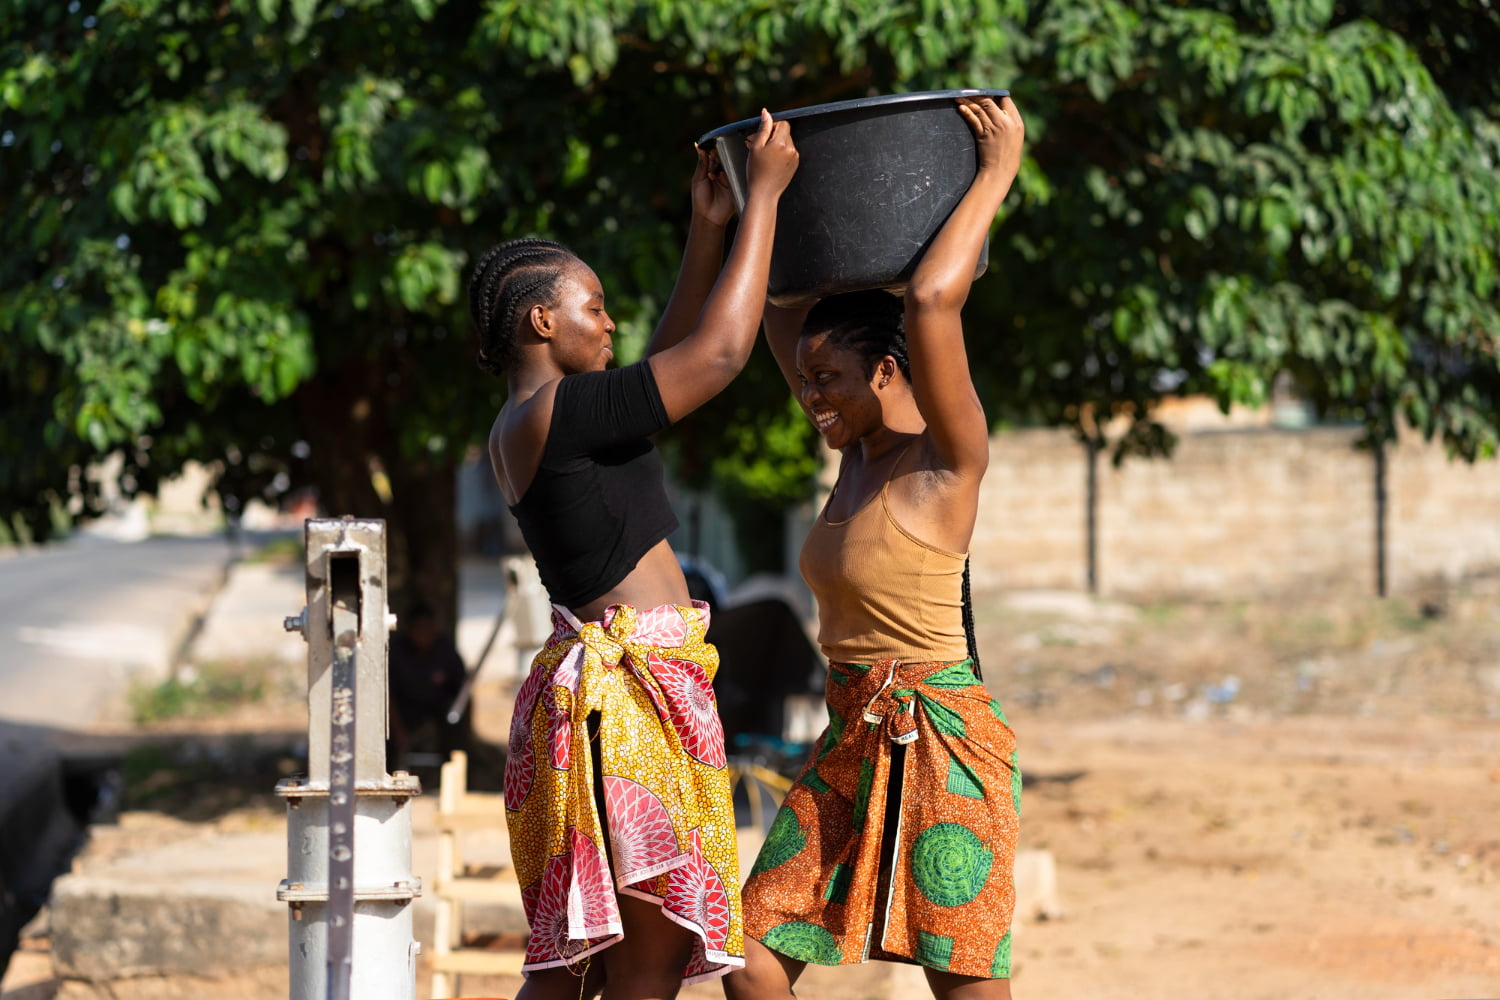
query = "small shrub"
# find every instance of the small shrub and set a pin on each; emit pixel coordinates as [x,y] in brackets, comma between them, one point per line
[196,693]
[284,550]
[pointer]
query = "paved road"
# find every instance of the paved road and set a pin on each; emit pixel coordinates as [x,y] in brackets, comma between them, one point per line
[78,619]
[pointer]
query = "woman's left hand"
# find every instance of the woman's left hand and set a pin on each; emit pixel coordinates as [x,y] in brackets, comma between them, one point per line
[998,133]
[712,200]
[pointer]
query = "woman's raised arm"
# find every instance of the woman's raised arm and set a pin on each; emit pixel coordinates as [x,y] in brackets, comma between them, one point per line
[696,368]
[783,327]
[941,383]
[701,258]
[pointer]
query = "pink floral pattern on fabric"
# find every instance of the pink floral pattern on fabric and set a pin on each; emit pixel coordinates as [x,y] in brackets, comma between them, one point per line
[546,905]
[696,896]
[520,770]
[559,731]
[640,829]
[520,765]
[659,751]
[691,708]
[593,910]
[665,625]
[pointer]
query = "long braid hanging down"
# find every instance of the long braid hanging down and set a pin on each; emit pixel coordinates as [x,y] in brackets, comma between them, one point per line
[969,624]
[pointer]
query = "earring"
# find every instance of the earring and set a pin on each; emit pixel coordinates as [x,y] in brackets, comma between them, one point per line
[884,381]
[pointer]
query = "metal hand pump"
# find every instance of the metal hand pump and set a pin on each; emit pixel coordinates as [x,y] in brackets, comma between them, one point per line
[349,886]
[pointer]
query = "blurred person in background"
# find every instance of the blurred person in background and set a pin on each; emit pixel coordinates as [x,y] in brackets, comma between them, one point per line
[427,673]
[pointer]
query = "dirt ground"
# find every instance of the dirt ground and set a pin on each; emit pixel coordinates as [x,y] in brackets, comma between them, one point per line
[1255,800]
[1291,798]
[1247,800]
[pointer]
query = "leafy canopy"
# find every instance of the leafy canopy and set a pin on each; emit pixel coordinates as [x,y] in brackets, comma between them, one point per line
[238,230]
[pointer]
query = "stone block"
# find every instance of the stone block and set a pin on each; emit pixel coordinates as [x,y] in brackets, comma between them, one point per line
[106,930]
[259,984]
[1037,897]
[205,906]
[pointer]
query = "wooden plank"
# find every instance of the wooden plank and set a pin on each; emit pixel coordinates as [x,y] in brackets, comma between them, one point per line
[480,890]
[459,822]
[475,962]
[480,802]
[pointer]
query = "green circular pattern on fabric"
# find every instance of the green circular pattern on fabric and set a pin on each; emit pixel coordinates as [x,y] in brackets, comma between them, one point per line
[950,864]
[784,841]
[803,941]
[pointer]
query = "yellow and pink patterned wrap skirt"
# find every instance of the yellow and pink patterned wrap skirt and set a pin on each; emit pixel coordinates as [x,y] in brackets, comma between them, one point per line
[924,874]
[665,789]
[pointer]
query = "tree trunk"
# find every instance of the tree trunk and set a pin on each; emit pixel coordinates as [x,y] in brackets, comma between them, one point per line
[424,538]
[341,415]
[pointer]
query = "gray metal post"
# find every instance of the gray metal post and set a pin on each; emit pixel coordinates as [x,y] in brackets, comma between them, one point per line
[349,882]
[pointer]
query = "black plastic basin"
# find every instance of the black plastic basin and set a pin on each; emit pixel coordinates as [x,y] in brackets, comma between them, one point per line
[876,180]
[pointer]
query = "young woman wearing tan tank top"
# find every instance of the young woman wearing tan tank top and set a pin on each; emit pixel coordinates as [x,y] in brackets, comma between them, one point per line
[898,839]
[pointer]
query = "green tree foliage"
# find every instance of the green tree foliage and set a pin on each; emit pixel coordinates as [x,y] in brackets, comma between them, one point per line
[1230,190]
[238,230]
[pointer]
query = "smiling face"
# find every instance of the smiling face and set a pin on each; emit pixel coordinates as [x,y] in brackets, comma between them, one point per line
[839,392]
[582,332]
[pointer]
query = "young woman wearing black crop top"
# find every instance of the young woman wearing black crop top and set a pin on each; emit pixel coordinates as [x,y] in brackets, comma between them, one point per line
[616,792]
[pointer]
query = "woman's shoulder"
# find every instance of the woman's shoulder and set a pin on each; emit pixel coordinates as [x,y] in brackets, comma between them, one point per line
[517,416]
[524,423]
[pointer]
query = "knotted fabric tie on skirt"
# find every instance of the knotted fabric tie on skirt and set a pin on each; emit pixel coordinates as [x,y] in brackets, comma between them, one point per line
[892,714]
[665,804]
[947,818]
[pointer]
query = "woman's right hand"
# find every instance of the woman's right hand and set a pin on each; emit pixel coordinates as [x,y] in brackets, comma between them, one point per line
[773,157]
[705,360]
[998,134]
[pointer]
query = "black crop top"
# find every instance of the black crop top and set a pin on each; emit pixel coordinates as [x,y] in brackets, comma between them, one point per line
[598,502]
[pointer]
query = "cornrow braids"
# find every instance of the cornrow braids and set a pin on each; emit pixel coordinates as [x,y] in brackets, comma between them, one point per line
[871,323]
[508,280]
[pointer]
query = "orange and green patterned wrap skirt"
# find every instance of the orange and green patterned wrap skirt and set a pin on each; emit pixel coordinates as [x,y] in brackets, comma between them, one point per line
[944,897]
[665,790]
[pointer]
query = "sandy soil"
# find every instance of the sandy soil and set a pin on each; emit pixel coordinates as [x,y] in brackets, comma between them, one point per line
[1320,857]
[1247,800]
[1312,857]
[1293,798]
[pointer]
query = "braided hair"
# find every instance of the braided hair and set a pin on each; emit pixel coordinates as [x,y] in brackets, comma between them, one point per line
[508,280]
[868,323]
[872,325]
[969,639]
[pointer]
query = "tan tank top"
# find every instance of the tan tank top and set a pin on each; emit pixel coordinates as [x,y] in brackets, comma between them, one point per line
[881,592]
